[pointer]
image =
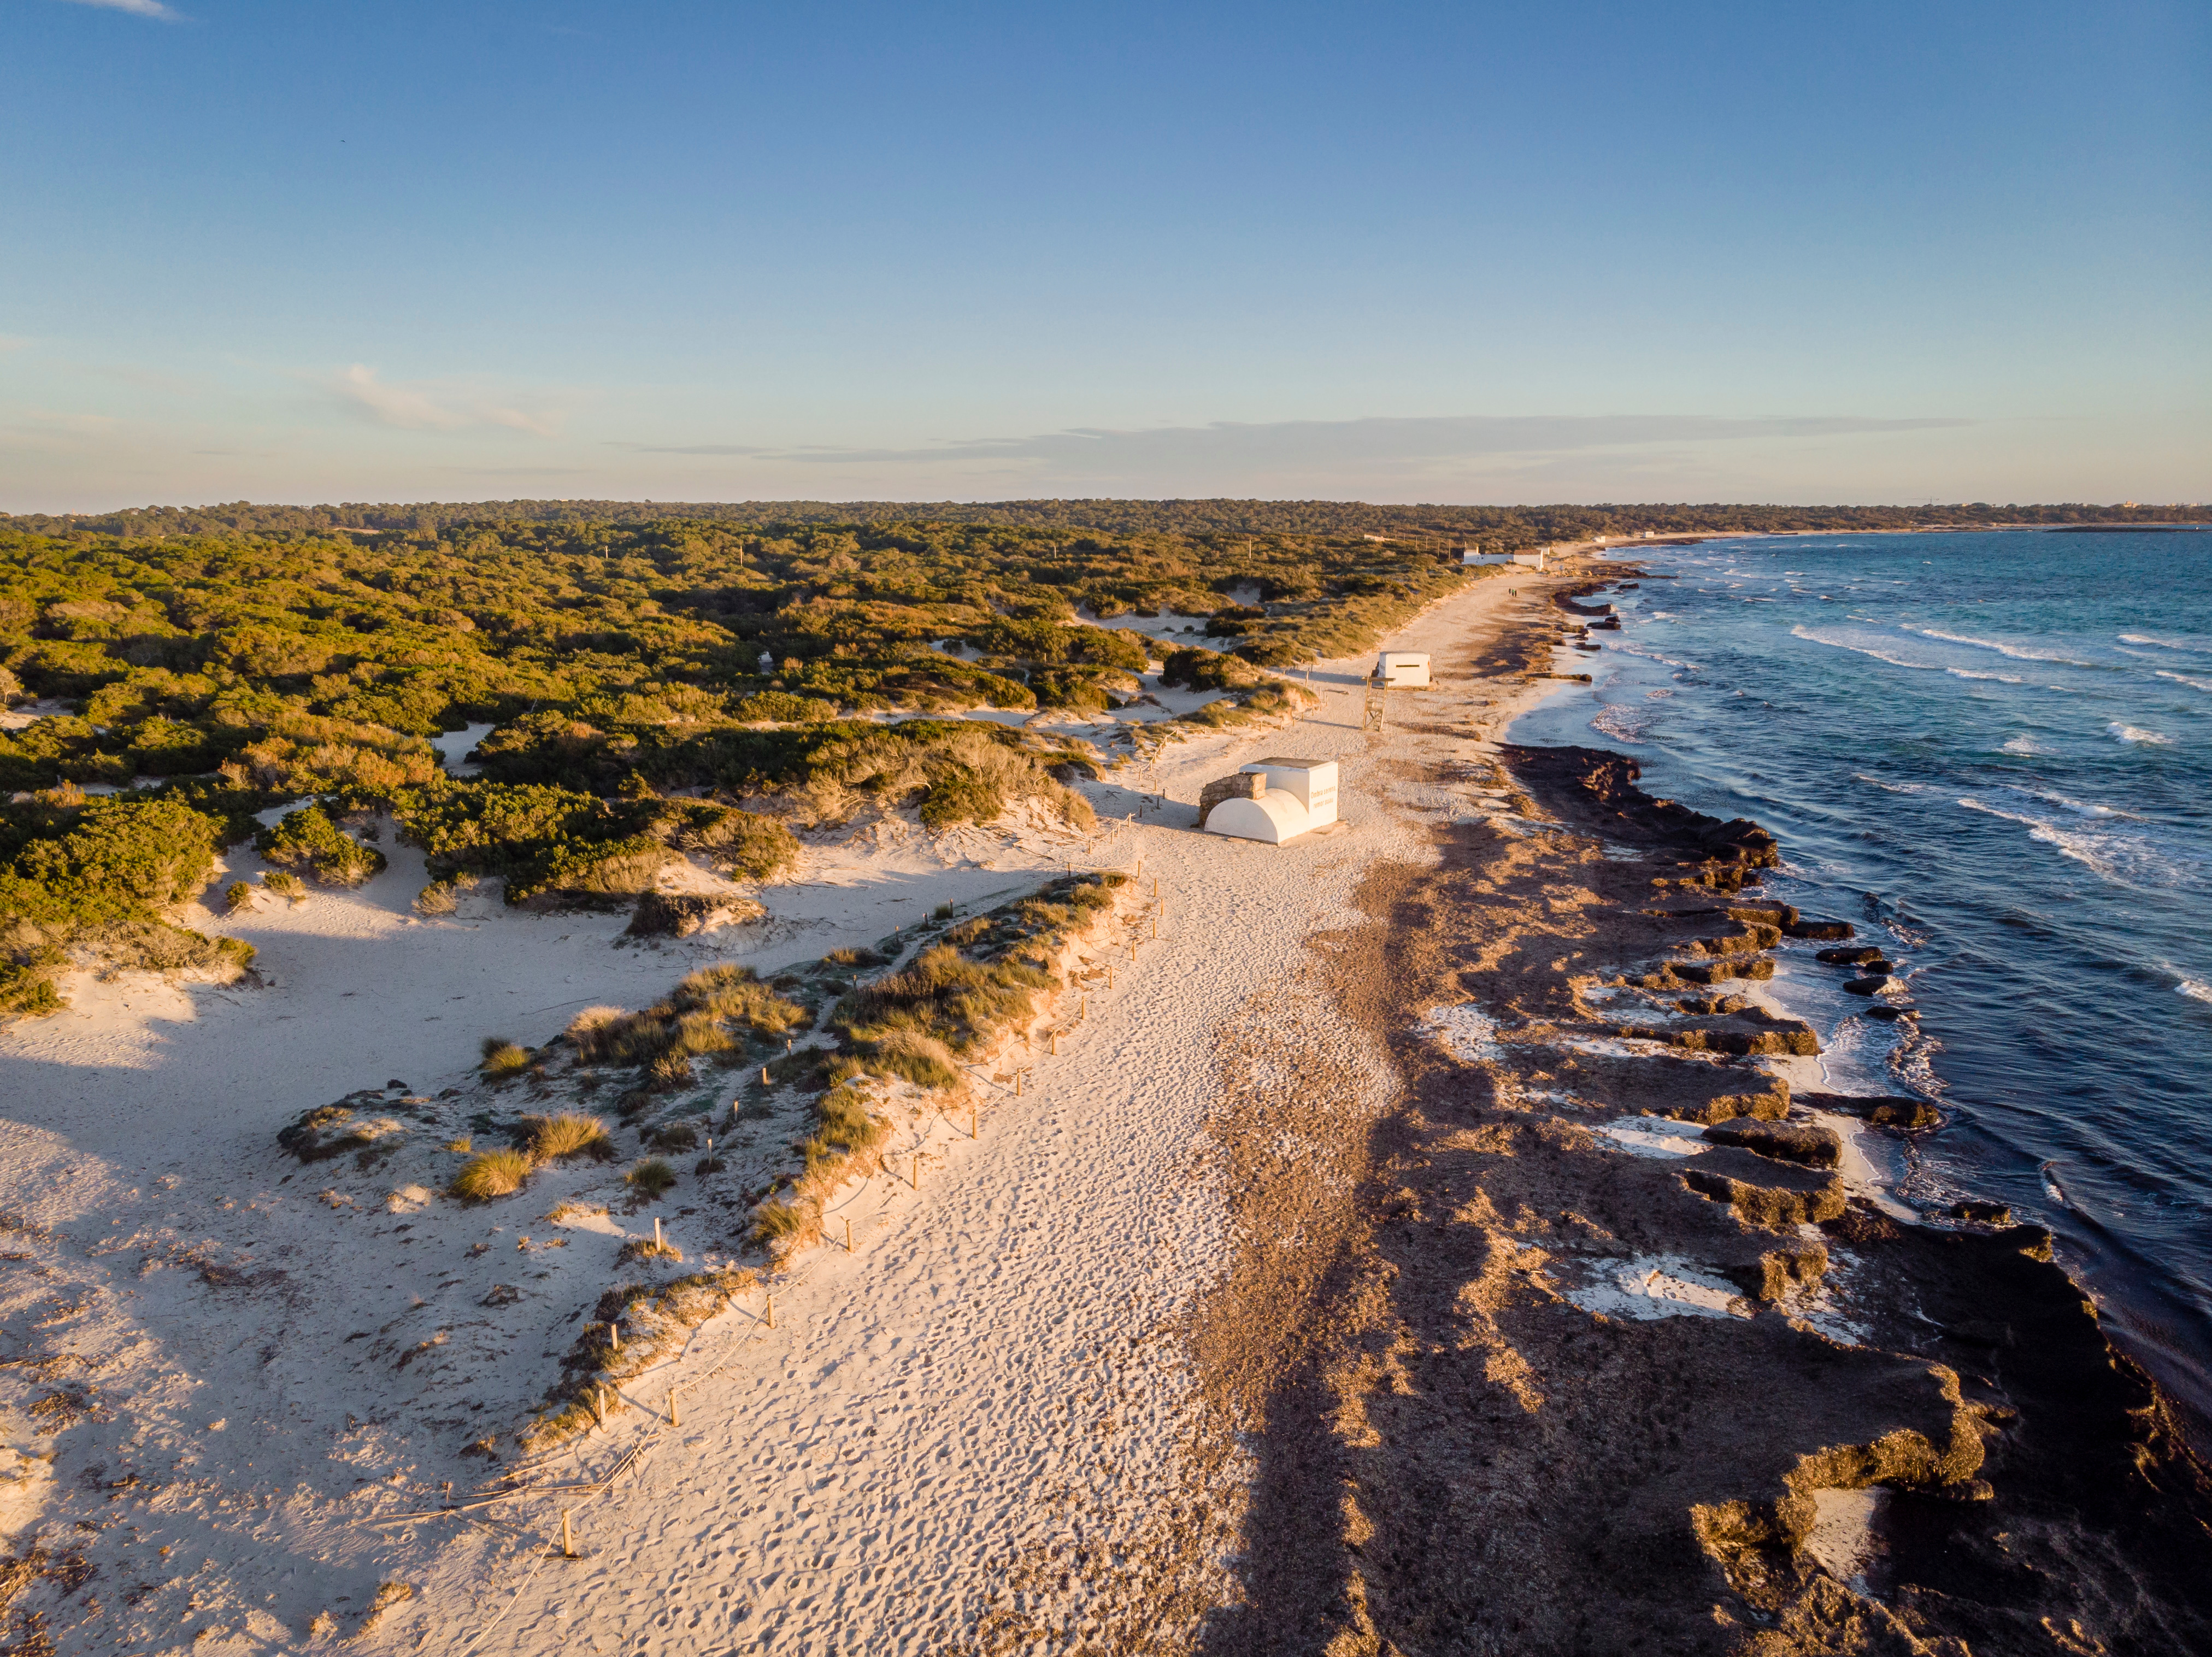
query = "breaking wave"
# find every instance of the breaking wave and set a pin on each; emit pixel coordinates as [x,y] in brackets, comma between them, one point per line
[2017,652]
[1804,632]
[2123,732]
[2195,647]
[2127,859]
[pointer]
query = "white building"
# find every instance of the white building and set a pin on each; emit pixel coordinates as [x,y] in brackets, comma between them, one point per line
[1294,796]
[1402,670]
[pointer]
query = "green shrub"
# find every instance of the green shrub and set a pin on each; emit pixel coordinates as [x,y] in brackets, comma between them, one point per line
[489,1174]
[238,895]
[283,884]
[650,1177]
[435,898]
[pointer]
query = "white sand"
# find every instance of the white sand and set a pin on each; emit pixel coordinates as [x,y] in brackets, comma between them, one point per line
[991,1376]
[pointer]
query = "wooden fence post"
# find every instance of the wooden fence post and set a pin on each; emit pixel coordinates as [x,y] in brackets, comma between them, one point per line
[568,1537]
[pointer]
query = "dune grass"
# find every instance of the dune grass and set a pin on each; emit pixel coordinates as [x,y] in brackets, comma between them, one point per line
[491,1174]
[554,1138]
[650,1177]
[503,1060]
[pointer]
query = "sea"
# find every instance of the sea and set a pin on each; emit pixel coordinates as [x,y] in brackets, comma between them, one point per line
[1992,753]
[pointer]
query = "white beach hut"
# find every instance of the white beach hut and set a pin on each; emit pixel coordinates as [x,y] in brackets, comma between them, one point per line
[1402,670]
[1288,797]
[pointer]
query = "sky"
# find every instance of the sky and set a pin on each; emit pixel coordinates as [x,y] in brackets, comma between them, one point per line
[1558,251]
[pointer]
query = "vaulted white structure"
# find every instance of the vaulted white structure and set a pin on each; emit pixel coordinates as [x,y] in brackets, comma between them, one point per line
[1402,670]
[1290,797]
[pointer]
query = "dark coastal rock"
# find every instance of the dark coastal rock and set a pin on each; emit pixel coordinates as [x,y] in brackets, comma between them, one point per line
[1764,1192]
[1712,1006]
[1877,968]
[1789,1142]
[1720,971]
[1780,1272]
[1766,914]
[1595,787]
[1981,1214]
[1781,1037]
[1857,955]
[1889,1014]
[1873,986]
[1750,940]
[1883,1110]
[1610,622]
[1804,929]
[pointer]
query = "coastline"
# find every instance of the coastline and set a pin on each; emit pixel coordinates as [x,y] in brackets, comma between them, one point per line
[1563,1329]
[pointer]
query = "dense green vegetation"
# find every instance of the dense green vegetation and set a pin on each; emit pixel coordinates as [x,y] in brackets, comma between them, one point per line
[1526,526]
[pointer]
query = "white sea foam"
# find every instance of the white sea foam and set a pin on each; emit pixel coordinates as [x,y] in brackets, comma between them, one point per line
[1892,787]
[1622,724]
[2194,646]
[2017,652]
[1804,632]
[2193,684]
[2083,807]
[2126,733]
[2024,744]
[2195,988]
[2125,859]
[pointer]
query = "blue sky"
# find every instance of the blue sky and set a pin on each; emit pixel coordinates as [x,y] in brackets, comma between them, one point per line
[338,250]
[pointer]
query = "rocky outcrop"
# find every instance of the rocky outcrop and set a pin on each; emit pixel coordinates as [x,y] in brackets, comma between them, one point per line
[1597,789]
[1764,1192]
[1788,1141]
[1882,1110]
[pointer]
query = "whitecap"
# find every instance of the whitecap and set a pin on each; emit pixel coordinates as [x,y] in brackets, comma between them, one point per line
[1804,632]
[1622,724]
[1891,788]
[2195,647]
[2184,678]
[2017,652]
[2024,744]
[2195,988]
[2124,859]
[2126,733]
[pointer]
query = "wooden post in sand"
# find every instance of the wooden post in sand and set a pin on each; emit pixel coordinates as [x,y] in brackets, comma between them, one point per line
[657,1243]
[914,1171]
[1055,1043]
[848,1233]
[614,1335]
[568,1537]
[971,1118]
[672,1421]
[771,1311]
[1018,1084]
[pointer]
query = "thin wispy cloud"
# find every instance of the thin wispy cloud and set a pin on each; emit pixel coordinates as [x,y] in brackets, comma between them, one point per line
[1416,443]
[153,8]
[427,406]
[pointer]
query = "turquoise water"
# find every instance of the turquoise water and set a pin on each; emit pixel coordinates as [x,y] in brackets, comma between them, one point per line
[1993,754]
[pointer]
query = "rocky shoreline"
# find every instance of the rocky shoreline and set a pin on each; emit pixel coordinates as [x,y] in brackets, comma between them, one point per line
[1601,1338]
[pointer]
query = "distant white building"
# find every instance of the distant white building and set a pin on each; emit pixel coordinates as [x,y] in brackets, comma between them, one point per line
[1402,670]
[1289,797]
[766,664]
